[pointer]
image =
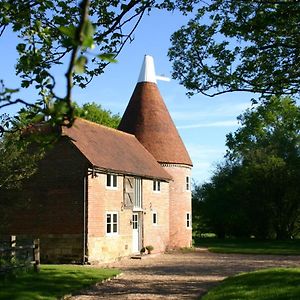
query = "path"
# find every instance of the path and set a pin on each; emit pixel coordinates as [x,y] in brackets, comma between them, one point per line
[178,275]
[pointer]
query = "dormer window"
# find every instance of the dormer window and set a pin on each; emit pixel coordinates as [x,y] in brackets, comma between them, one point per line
[111,181]
[156,185]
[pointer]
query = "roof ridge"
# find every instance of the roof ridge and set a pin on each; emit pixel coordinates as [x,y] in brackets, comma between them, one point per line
[106,127]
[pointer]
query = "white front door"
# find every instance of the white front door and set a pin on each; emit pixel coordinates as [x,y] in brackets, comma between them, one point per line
[135,233]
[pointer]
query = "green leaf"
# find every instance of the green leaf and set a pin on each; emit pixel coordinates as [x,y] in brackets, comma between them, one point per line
[11,91]
[110,57]
[80,63]
[21,47]
[88,35]
[69,31]
[25,83]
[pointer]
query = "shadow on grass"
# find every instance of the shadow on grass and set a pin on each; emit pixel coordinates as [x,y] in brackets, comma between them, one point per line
[269,284]
[52,282]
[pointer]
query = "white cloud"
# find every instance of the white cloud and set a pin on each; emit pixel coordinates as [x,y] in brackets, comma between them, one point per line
[229,123]
[214,111]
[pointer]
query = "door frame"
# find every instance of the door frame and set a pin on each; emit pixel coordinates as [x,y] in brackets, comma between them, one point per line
[139,228]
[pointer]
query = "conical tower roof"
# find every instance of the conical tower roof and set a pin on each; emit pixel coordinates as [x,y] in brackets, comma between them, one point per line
[148,118]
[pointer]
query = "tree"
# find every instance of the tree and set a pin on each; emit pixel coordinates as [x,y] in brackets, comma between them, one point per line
[222,204]
[267,145]
[256,191]
[95,113]
[85,36]
[52,30]
[235,45]
[21,152]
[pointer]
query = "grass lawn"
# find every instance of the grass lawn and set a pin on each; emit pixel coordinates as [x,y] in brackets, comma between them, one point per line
[52,282]
[250,246]
[268,284]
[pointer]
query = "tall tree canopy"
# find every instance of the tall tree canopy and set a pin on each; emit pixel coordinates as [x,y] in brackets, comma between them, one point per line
[257,190]
[233,45]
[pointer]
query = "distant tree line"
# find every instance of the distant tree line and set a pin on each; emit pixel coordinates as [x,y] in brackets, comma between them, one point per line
[256,191]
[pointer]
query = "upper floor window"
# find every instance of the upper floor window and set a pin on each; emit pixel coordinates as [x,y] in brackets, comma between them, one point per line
[156,185]
[188,183]
[111,180]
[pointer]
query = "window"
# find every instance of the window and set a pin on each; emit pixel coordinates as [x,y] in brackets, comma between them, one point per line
[188,220]
[111,223]
[137,193]
[154,218]
[111,180]
[135,221]
[188,183]
[156,185]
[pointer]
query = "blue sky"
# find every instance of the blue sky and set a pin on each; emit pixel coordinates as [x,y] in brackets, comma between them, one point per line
[202,122]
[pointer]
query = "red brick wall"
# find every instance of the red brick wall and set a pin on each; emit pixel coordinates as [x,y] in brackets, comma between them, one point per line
[102,247]
[180,205]
[50,204]
[156,235]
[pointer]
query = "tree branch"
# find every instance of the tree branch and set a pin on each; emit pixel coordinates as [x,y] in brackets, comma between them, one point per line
[117,20]
[9,102]
[79,39]
[2,30]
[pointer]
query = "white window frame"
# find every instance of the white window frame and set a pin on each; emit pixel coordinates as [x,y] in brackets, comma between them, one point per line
[112,223]
[154,213]
[188,220]
[113,181]
[188,183]
[138,194]
[156,186]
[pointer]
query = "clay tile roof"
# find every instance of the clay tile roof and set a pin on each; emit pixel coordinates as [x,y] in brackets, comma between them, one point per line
[147,117]
[112,150]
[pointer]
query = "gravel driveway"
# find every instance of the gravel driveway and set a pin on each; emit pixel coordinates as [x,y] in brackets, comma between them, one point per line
[178,275]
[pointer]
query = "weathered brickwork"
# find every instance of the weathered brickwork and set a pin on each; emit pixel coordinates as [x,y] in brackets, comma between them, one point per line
[180,205]
[50,205]
[156,235]
[103,247]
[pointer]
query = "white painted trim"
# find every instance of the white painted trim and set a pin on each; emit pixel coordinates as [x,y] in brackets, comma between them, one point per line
[112,222]
[156,186]
[147,73]
[111,187]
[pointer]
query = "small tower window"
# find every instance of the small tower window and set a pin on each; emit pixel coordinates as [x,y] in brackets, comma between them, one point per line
[156,185]
[188,220]
[188,183]
[154,218]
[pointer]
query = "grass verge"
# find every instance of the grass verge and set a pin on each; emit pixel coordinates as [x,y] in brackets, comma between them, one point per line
[52,282]
[268,284]
[251,246]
